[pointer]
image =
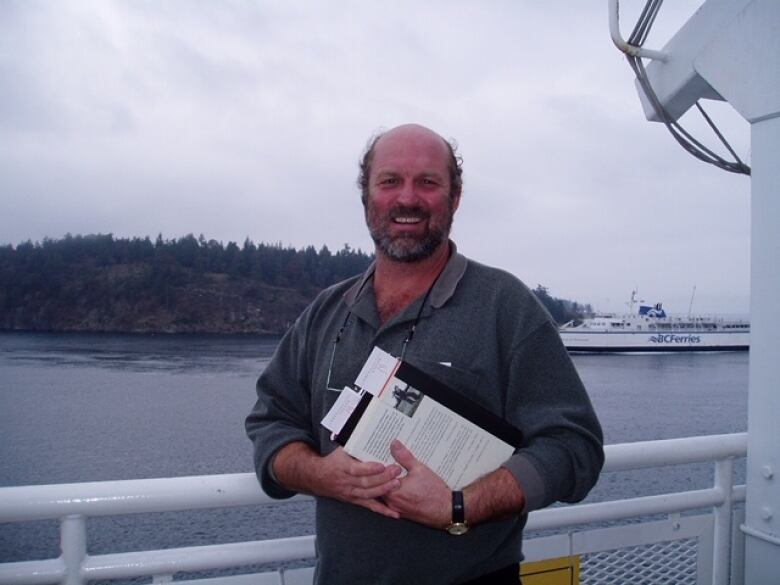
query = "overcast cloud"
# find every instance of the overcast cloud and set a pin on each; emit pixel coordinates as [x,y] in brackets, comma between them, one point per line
[246,119]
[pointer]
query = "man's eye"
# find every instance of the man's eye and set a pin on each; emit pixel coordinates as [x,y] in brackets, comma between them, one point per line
[390,181]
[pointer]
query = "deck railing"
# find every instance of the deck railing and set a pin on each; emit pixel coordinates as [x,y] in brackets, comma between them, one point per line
[74,503]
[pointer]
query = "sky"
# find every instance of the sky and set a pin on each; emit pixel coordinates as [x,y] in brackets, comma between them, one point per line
[237,119]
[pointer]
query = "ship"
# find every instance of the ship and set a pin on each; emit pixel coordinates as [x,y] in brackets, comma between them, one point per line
[648,328]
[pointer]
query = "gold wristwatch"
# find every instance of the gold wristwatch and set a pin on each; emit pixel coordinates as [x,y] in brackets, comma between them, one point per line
[458,525]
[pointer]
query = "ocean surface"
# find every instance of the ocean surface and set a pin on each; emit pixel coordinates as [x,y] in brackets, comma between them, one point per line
[87,407]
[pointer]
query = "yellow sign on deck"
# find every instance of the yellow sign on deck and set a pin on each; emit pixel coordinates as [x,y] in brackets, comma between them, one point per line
[560,571]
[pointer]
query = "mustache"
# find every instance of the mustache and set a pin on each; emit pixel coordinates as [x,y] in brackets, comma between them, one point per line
[409,211]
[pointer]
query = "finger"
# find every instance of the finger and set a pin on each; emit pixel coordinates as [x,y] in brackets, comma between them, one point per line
[354,466]
[375,491]
[367,468]
[402,455]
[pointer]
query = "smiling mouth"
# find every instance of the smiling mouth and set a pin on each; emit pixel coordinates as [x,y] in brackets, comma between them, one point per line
[408,216]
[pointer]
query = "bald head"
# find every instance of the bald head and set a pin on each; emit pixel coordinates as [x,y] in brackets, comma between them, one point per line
[399,137]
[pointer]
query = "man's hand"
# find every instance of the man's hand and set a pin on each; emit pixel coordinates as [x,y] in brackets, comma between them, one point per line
[338,475]
[344,478]
[423,496]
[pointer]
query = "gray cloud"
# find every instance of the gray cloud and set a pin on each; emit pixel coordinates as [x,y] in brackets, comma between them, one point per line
[238,119]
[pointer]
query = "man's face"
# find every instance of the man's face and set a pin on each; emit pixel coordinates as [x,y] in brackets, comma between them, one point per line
[409,210]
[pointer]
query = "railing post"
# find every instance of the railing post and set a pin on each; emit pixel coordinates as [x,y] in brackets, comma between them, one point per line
[73,543]
[721,558]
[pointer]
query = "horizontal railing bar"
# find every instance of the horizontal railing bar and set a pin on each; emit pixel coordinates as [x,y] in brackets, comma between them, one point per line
[108,498]
[33,572]
[197,558]
[641,454]
[133,496]
[563,516]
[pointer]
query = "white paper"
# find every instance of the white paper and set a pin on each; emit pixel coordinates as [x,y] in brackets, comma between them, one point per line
[376,371]
[456,449]
[339,413]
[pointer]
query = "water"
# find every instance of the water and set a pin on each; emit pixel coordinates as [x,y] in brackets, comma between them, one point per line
[665,396]
[82,407]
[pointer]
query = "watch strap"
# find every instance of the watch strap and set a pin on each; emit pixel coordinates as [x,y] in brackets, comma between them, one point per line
[458,526]
[458,509]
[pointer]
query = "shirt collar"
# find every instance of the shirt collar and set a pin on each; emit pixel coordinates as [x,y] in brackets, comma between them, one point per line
[442,291]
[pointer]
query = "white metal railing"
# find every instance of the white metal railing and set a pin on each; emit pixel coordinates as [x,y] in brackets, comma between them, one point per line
[74,503]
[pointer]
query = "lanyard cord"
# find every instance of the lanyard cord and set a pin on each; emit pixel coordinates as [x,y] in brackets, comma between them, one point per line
[409,333]
[412,329]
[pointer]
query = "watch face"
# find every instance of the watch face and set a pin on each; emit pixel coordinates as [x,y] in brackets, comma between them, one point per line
[458,528]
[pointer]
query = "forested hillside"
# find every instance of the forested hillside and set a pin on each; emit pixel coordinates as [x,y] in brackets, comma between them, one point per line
[186,285]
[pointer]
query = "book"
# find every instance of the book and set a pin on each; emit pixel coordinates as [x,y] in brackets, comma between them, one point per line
[457,438]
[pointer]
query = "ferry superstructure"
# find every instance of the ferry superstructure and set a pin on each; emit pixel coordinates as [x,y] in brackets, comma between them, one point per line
[650,329]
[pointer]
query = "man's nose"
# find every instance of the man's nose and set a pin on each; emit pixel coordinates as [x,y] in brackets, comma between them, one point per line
[407,194]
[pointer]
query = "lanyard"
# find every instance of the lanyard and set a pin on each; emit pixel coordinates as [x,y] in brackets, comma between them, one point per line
[409,333]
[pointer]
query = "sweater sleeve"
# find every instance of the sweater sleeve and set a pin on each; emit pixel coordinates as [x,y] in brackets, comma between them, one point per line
[562,453]
[282,413]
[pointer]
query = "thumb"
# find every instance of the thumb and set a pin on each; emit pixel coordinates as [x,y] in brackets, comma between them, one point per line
[402,455]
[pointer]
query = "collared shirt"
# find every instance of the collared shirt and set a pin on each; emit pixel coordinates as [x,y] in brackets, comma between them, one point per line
[483,333]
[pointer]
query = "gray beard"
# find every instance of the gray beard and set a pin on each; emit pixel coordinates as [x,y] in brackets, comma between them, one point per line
[408,249]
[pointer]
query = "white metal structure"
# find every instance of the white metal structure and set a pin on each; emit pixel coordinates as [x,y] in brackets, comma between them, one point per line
[730,50]
[710,535]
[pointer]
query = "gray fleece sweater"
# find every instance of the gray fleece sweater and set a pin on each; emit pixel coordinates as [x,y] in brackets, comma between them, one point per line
[503,351]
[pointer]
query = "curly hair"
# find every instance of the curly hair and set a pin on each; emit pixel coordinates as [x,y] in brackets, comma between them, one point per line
[454,165]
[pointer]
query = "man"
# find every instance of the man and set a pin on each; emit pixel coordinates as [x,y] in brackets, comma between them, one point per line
[475,328]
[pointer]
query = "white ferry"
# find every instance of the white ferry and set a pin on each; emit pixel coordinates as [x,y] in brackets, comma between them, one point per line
[651,329]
